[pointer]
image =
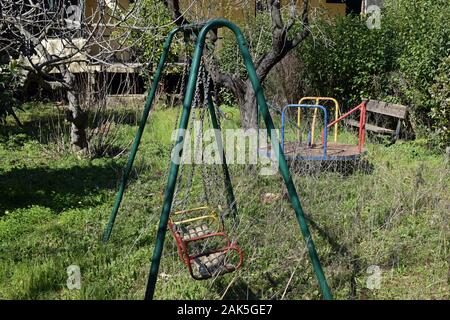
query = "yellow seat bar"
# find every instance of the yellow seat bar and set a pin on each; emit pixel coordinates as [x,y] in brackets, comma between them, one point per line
[196,219]
[212,215]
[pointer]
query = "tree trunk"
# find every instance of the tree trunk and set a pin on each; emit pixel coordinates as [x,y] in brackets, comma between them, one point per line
[248,108]
[76,115]
[281,45]
[78,118]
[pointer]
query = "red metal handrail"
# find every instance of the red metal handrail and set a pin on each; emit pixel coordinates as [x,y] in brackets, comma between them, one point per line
[362,123]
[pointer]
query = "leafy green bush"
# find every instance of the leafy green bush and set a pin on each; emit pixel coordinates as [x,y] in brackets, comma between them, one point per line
[152,24]
[9,84]
[347,60]
[424,42]
[403,61]
[440,111]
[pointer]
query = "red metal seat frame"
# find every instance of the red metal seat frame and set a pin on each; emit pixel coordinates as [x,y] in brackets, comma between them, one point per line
[183,245]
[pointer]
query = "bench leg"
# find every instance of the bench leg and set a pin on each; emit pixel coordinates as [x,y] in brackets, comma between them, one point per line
[397,130]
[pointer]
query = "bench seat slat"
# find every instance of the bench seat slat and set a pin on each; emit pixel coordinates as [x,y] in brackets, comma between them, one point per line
[369,127]
[388,109]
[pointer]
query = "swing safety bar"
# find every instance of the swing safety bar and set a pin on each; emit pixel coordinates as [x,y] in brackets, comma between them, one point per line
[212,216]
[191,210]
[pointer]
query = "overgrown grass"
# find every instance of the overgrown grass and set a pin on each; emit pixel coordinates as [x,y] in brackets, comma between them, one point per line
[53,207]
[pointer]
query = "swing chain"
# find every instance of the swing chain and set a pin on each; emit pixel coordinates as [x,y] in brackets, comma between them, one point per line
[211,171]
[207,187]
[186,68]
[210,175]
[190,178]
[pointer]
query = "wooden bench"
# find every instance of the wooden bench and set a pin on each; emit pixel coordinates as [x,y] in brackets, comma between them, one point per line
[397,111]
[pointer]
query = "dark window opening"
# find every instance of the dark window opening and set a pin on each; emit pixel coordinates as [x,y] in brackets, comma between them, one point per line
[260,5]
[351,6]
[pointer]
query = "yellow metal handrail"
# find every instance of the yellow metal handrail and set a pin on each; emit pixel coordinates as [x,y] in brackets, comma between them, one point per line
[317,101]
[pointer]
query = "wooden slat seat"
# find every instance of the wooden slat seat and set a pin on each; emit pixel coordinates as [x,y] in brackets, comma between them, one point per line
[213,264]
[203,244]
[386,108]
[191,232]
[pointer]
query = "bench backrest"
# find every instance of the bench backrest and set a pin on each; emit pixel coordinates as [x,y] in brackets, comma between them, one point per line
[389,109]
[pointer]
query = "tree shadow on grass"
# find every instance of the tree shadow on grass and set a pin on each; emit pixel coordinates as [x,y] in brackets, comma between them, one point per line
[58,189]
[239,290]
[354,264]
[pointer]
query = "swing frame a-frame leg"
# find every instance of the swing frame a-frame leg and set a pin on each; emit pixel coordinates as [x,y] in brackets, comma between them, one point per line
[187,29]
[174,166]
[137,139]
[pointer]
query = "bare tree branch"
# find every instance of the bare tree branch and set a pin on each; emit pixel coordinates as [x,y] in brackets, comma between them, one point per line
[232,82]
[52,38]
[282,44]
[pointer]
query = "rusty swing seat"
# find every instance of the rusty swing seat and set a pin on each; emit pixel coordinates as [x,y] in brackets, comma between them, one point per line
[203,245]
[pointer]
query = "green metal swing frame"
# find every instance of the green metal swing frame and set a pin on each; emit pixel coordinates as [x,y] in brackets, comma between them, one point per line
[201,31]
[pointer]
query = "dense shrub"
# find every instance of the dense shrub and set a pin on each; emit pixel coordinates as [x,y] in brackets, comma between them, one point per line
[404,61]
[440,111]
[9,85]
[421,33]
[152,23]
[347,60]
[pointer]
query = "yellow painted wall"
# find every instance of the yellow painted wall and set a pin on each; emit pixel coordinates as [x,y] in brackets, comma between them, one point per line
[239,11]
[91,16]
[329,9]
